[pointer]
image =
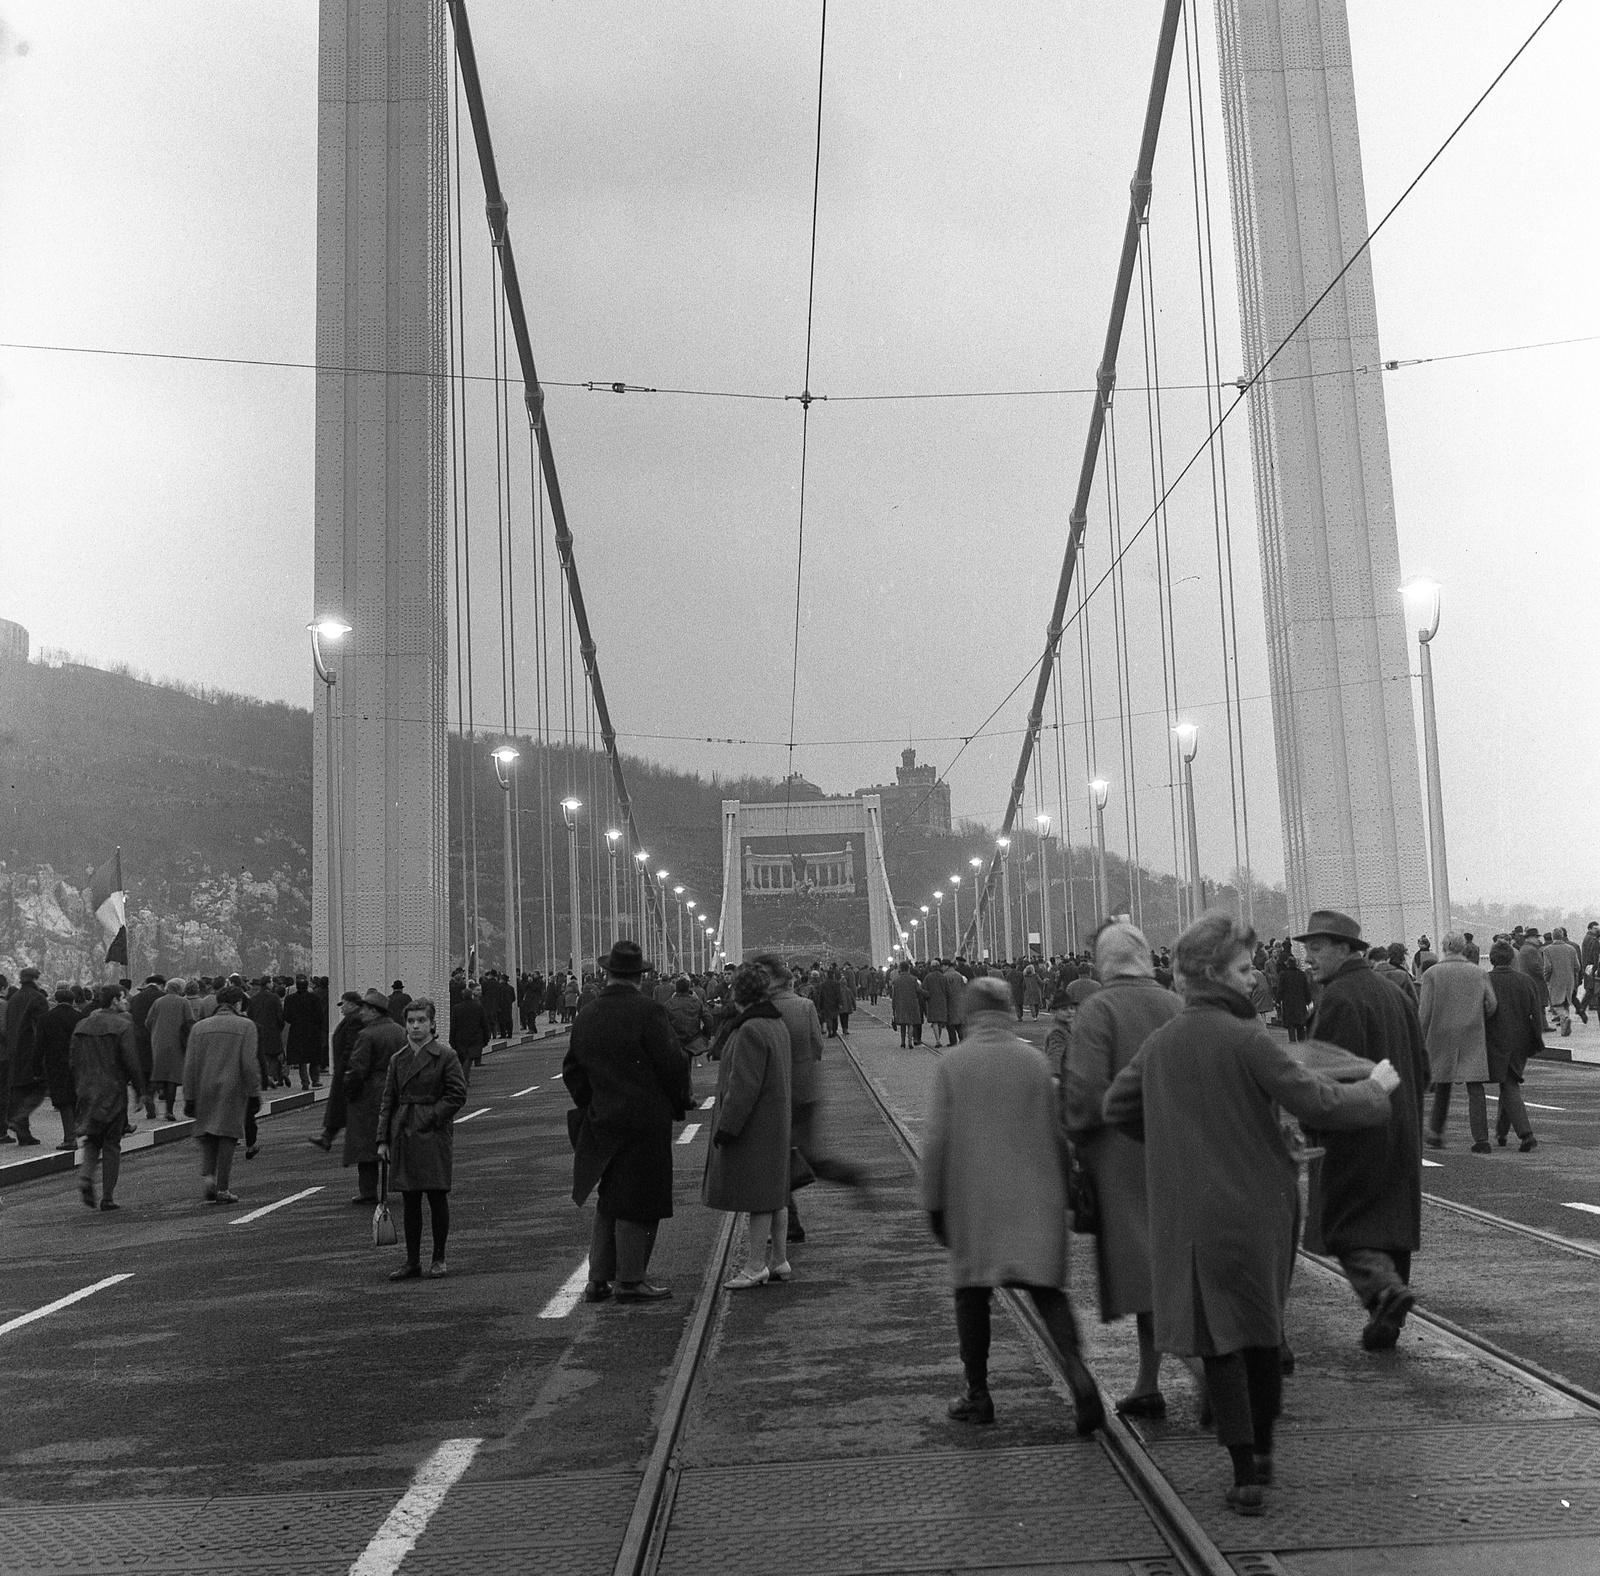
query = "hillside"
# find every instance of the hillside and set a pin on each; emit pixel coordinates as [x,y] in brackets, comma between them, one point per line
[209,797]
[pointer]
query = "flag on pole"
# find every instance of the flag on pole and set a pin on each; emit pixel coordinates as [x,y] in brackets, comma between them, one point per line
[108,900]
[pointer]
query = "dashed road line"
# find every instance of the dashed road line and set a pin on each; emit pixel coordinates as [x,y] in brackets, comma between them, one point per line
[1532,1105]
[687,1135]
[1438,1165]
[1588,1209]
[398,1535]
[267,1209]
[566,1299]
[709,1101]
[529,1090]
[62,1302]
[470,1114]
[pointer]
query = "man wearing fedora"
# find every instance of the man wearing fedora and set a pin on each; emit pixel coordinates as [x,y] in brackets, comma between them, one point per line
[1365,1204]
[629,1082]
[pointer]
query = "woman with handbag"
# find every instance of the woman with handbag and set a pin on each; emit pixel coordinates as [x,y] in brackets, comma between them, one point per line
[747,1160]
[1106,1035]
[423,1089]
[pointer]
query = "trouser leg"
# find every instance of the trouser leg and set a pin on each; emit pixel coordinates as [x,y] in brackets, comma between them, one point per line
[91,1159]
[636,1241]
[439,1219]
[411,1214]
[844,1023]
[1059,1319]
[603,1248]
[1264,1371]
[1441,1109]
[367,1178]
[69,1124]
[1477,1113]
[251,1131]
[1513,1111]
[972,1333]
[1228,1385]
[208,1157]
[1372,1272]
[225,1149]
[111,1167]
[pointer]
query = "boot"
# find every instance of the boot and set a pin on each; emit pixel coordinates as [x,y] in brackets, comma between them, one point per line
[972,1405]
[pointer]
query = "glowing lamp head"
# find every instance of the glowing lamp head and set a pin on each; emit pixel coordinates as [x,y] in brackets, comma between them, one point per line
[329,628]
[1423,598]
[642,857]
[1188,736]
[613,836]
[571,804]
[955,881]
[506,755]
[1043,822]
[1099,788]
[677,891]
[938,897]
[977,864]
[661,875]
[1002,843]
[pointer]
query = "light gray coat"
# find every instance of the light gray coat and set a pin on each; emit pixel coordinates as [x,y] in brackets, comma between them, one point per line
[992,1160]
[220,1073]
[800,1018]
[1456,998]
[164,1024]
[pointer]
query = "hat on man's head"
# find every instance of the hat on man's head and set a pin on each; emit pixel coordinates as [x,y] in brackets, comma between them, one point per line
[376,998]
[29,975]
[354,998]
[625,958]
[1331,923]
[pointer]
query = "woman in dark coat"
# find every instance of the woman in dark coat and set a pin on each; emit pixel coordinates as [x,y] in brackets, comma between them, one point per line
[1110,1028]
[1204,1093]
[469,1029]
[423,1089]
[379,1039]
[747,1160]
[55,1051]
[1294,995]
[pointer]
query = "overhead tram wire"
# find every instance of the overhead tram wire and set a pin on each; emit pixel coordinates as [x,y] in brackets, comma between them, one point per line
[805,417]
[500,234]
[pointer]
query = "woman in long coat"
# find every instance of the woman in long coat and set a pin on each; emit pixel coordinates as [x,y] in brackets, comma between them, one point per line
[1294,995]
[1456,999]
[423,1089]
[747,1160]
[1107,1034]
[1203,1094]
[1032,991]
[938,1001]
[1005,1224]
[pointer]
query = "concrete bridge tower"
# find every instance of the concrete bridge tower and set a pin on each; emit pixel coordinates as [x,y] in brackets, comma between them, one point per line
[382,484]
[1341,688]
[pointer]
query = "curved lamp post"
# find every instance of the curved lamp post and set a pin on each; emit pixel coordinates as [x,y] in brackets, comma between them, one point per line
[1188,736]
[1043,822]
[955,898]
[569,813]
[641,873]
[613,837]
[1098,789]
[333,630]
[1004,845]
[977,906]
[661,882]
[504,758]
[1424,598]
[938,909]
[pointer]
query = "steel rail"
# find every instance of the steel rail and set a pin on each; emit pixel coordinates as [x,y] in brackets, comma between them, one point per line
[1549,1238]
[1172,1519]
[497,211]
[1105,382]
[640,1550]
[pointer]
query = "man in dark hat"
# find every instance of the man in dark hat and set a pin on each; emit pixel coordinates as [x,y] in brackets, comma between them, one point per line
[629,1080]
[375,1045]
[1365,1204]
[351,1023]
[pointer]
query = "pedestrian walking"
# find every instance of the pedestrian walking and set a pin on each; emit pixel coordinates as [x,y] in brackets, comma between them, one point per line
[1512,1035]
[351,1023]
[423,1088]
[1456,1001]
[1294,995]
[747,1160]
[938,1002]
[469,1029]
[1204,1093]
[1106,1035]
[302,1017]
[1005,1225]
[105,1065]
[1564,968]
[905,1005]
[379,1038]
[266,1012]
[629,1082]
[55,1051]
[22,1084]
[1365,1198]
[221,1075]
[168,1022]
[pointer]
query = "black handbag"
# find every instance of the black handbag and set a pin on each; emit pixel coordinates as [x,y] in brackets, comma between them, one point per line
[1083,1202]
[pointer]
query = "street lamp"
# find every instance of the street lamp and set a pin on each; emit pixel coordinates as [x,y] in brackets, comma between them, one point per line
[1188,742]
[503,759]
[913,941]
[690,906]
[926,955]
[569,813]
[1098,789]
[1043,822]
[333,630]
[641,875]
[613,837]
[661,882]
[955,898]
[1424,598]
[677,898]
[1004,845]
[938,909]
[977,906]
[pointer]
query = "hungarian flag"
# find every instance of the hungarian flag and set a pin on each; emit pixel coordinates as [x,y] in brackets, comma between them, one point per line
[108,901]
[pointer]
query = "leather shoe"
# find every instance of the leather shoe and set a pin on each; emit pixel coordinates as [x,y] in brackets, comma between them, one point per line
[1246,1500]
[1151,1404]
[1530,1142]
[972,1406]
[437,1270]
[1088,1412]
[406,1272]
[1484,1148]
[361,1198]
[640,1291]
[796,1234]
[597,1291]
[323,1143]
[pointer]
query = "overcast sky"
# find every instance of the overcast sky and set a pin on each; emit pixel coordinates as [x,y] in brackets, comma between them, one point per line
[157,194]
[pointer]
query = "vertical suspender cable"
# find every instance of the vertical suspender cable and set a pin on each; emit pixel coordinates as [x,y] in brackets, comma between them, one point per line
[1105,380]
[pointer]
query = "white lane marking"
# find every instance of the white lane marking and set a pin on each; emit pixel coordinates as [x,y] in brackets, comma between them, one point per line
[709,1101]
[1532,1105]
[566,1299]
[407,1521]
[62,1302]
[687,1135]
[470,1114]
[1438,1165]
[267,1209]
[529,1090]
[1588,1209]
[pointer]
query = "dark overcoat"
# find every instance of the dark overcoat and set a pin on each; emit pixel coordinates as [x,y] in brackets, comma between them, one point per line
[469,1028]
[1203,1092]
[905,998]
[303,1013]
[629,1079]
[105,1060]
[938,997]
[423,1088]
[1366,1192]
[363,1087]
[55,1050]
[1294,996]
[24,1013]
[747,1160]
[1516,1031]
[1110,1028]
[344,1041]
